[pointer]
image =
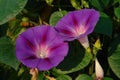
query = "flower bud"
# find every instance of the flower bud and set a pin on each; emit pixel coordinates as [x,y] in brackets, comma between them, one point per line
[97,44]
[98,71]
[34,73]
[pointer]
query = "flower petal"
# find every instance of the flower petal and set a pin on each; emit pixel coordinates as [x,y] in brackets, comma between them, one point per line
[44,64]
[58,52]
[30,62]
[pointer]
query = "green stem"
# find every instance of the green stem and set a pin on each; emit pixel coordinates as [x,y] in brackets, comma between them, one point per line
[91,68]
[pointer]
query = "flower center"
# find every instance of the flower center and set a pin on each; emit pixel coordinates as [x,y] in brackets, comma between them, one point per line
[42,51]
[42,54]
[80,30]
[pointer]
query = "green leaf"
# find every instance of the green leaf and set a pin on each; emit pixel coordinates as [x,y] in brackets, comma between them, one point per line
[104,25]
[10,8]
[105,2]
[14,29]
[64,77]
[100,4]
[49,2]
[56,16]
[3,30]
[76,4]
[107,78]
[115,1]
[41,76]
[7,53]
[83,77]
[114,56]
[76,59]
[96,4]
[117,12]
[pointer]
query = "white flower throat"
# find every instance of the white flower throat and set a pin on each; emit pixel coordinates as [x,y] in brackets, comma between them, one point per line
[42,54]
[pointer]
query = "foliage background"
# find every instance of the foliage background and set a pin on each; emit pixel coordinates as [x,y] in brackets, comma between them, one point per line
[18,15]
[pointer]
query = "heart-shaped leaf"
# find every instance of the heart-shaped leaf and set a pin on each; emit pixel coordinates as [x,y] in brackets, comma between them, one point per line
[114,57]
[76,59]
[64,77]
[104,25]
[83,77]
[10,8]
[7,53]
[56,16]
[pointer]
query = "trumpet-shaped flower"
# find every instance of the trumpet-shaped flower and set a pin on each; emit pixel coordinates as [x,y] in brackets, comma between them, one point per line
[40,47]
[77,25]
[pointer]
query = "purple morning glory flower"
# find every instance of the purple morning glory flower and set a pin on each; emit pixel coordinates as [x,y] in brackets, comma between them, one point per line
[77,25]
[40,47]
